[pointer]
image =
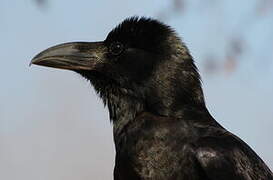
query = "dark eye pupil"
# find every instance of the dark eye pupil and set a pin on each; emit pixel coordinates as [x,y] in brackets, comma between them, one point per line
[116,48]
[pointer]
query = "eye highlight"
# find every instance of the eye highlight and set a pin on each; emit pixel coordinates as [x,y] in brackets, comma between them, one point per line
[116,48]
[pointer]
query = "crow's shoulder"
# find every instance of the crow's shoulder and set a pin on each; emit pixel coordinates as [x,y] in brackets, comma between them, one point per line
[225,156]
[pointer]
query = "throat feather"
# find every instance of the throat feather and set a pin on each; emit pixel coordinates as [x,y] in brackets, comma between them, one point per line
[122,110]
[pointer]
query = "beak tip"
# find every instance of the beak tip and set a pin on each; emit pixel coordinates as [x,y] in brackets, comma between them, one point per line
[32,62]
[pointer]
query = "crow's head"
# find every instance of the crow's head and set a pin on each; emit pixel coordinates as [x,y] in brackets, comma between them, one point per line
[141,66]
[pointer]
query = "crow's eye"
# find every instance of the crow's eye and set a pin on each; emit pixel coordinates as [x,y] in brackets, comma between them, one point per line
[116,48]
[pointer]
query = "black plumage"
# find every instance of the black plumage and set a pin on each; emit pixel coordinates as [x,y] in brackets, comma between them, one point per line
[162,128]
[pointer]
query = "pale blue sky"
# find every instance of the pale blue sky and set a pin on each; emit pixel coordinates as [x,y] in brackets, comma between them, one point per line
[52,124]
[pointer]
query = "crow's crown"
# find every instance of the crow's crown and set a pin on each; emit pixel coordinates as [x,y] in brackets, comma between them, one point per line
[143,33]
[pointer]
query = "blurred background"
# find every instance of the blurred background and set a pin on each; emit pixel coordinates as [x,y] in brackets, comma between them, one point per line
[52,124]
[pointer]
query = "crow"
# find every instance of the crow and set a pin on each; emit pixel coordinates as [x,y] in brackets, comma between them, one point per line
[162,129]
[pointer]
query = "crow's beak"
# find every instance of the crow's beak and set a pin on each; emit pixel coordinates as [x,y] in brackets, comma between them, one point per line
[71,56]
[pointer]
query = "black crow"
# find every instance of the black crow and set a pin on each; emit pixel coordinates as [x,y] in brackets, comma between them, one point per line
[162,129]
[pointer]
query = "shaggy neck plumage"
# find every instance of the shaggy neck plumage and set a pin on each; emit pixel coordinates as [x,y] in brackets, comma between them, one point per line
[122,110]
[123,106]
